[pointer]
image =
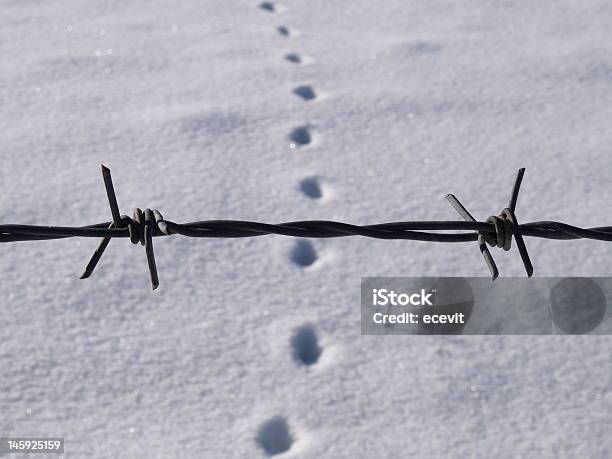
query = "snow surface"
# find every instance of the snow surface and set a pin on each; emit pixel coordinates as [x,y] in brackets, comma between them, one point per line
[252,347]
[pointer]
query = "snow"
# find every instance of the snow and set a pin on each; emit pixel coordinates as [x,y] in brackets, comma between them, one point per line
[194,106]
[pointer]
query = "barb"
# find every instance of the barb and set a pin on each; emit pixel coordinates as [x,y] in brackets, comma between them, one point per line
[495,231]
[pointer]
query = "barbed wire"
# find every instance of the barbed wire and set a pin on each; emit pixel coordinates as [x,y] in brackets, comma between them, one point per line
[143,226]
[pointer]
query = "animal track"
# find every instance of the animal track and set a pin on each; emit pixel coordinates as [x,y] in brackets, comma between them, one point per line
[298,59]
[284,30]
[300,136]
[310,187]
[304,253]
[294,57]
[268,6]
[305,92]
[274,436]
[305,345]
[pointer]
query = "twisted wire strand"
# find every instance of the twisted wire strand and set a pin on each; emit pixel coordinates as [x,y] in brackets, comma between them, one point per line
[495,231]
[412,230]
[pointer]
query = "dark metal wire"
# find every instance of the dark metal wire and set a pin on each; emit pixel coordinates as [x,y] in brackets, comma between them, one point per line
[496,231]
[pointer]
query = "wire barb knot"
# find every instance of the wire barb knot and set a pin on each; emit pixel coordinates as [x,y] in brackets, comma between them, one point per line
[142,227]
[503,228]
[502,237]
[142,222]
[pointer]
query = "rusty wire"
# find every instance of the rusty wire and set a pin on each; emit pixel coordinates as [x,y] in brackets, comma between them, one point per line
[496,231]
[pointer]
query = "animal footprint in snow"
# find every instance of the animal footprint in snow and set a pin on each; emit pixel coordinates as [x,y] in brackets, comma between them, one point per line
[303,253]
[286,31]
[305,345]
[271,7]
[274,436]
[300,137]
[311,187]
[298,59]
[305,92]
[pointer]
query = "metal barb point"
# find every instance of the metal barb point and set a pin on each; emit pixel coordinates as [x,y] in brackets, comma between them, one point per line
[96,256]
[516,188]
[112,197]
[467,216]
[112,201]
[148,242]
[516,227]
